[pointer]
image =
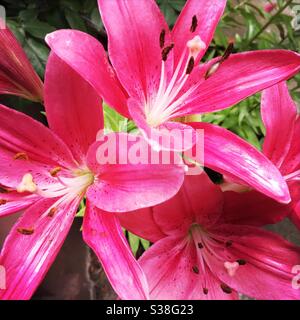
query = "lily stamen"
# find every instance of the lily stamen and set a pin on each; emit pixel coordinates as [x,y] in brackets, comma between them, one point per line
[165,102]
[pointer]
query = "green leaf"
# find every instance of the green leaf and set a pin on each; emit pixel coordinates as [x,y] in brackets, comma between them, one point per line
[80,213]
[75,20]
[73,5]
[81,210]
[17,30]
[113,121]
[37,28]
[37,54]
[96,19]
[39,48]
[145,243]
[169,10]
[35,60]
[28,14]
[134,242]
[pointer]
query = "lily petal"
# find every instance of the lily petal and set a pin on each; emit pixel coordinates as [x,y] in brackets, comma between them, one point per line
[133,176]
[12,202]
[176,215]
[86,56]
[239,77]
[291,162]
[228,154]
[206,15]
[74,110]
[32,246]
[253,208]
[103,233]
[27,146]
[142,223]
[278,111]
[134,30]
[295,194]
[17,76]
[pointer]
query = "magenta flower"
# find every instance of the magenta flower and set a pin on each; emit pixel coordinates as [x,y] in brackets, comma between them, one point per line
[158,70]
[17,76]
[202,251]
[51,171]
[282,147]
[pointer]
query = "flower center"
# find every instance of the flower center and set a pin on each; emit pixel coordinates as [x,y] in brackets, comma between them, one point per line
[159,109]
[73,185]
[170,96]
[68,187]
[212,248]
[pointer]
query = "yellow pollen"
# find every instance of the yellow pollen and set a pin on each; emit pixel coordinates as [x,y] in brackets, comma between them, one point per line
[21,156]
[55,171]
[195,45]
[26,231]
[52,212]
[27,184]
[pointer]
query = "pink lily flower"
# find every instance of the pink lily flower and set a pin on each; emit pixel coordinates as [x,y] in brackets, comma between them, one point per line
[157,71]
[142,67]
[17,76]
[282,147]
[53,169]
[203,251]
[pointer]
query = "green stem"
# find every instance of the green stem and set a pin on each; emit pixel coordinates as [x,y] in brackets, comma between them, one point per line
[235,8]
[267,24]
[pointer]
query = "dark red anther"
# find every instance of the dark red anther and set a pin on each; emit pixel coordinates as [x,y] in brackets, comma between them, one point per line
[205,291]
[3,190]
[2,202]
[228,243]
[194,24]
[190,66]
[195,269]
[162,38]
[165,52]
[228,51]
[241,262]
[226,289]
[200,245]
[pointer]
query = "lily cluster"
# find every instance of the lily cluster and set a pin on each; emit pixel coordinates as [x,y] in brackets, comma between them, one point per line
[208,240]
